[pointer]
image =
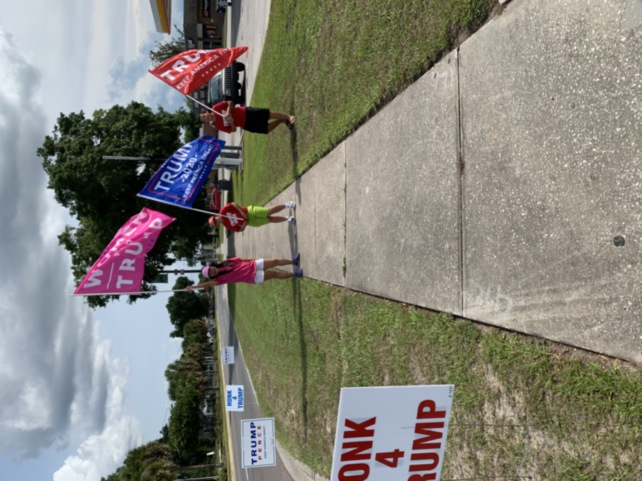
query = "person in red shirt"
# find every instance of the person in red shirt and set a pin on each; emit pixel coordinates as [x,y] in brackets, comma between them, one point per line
[226,117]
[236,218]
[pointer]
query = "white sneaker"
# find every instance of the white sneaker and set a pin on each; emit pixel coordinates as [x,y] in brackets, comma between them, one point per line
[290,205]
[291,220]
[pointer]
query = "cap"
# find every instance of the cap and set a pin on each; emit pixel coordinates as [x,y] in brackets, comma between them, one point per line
[206,271]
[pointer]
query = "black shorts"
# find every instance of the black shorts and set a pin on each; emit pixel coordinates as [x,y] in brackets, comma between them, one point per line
[256,120]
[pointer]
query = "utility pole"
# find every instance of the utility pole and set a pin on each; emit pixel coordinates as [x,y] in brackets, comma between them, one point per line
[206,478]
[201,466]
[181,271]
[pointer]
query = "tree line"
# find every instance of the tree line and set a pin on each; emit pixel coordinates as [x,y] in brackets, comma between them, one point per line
[189,434]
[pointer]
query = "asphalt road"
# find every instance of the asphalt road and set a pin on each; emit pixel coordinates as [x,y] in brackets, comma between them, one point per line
[237,374]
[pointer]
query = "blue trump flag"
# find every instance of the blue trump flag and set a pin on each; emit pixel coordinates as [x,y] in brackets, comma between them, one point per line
[181,177]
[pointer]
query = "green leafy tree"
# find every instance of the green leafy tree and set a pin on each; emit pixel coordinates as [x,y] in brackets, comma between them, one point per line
[184,371]
[152,461]
[166,50]
[185,306]
[164,432]
[101,194]
[188,368]
[184,425]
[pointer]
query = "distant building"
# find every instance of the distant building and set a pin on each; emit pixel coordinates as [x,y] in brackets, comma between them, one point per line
[162,11]
[204,27]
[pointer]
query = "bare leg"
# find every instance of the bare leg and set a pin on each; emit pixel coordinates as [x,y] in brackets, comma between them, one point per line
[274,125]
[277,275]
[269,263]
[280,116]
[275,208]
[280,119]
[275,219]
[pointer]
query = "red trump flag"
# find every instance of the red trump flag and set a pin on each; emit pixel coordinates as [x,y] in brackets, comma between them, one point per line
[189,70]
[120,268]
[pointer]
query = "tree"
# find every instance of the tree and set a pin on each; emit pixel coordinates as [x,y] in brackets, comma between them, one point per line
[164,432]
[184,425]
[151,461]
[185,306]
[166,50]
[101,194]
[182,372]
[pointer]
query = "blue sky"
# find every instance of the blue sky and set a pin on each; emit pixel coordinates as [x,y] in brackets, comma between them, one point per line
[78,388]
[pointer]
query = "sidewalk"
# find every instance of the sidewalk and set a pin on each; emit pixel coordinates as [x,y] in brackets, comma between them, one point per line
[493,187]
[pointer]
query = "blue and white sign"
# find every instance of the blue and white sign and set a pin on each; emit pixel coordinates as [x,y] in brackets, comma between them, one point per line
[228,354]
[258,447]
[234,398]
[181,177]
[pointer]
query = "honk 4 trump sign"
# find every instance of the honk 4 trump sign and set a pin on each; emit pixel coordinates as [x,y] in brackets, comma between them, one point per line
[121,266]
[234,397]
[258,447]
[395,433]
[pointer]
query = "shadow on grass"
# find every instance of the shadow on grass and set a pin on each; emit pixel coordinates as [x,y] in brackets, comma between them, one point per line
[231,293]
[297,306]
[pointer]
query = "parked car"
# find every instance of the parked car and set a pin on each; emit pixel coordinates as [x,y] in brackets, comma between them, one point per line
[215,200]
[215,194]
[227,85]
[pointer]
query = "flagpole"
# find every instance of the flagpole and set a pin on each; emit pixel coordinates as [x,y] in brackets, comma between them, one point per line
[139,293]
[203,105]
[209,212]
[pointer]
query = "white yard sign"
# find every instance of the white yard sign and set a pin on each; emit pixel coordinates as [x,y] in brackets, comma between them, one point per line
[395,433]
[258,447]
[234,398]
[228,354]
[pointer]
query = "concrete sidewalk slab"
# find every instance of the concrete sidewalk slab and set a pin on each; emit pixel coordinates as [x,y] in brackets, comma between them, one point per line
[403,193]
[551,98]
[321,217]
[319,233]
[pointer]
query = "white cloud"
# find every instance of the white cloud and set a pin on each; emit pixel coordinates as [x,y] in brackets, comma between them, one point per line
[57,380]
[101,454]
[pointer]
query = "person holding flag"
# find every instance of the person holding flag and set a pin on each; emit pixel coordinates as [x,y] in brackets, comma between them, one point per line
[226,117]
[236,218]
[248,271]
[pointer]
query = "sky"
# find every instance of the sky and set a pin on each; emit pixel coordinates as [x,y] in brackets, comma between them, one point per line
[79,387]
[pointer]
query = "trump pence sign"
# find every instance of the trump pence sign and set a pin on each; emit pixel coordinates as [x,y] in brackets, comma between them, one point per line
[257,443]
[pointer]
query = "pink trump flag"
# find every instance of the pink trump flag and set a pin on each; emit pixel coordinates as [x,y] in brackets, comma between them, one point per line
[121,266]
[191,69]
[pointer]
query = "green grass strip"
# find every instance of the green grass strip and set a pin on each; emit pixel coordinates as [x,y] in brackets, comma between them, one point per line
[521,403]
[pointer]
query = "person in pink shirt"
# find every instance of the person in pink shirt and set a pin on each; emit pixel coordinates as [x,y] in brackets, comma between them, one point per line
[249,271]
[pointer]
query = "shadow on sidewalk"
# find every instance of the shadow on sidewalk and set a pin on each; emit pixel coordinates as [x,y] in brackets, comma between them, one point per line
[297,308]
